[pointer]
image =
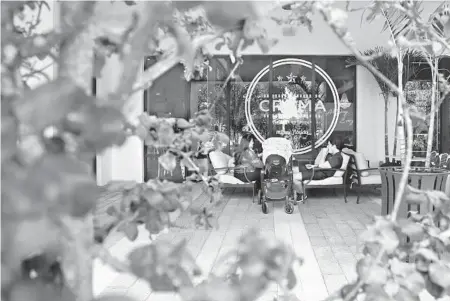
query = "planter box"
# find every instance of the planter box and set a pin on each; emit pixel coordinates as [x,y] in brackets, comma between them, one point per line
[421,178]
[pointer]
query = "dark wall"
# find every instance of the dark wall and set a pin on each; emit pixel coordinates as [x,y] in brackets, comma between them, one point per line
[168,96]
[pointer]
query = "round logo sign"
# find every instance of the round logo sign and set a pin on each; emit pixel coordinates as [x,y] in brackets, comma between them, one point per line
[292,107]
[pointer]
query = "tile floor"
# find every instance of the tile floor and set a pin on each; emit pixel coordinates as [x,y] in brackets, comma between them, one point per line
[324,231]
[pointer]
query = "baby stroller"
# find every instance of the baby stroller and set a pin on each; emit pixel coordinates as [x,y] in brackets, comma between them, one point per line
[277,175]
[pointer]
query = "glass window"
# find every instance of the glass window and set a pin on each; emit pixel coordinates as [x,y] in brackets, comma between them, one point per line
[287,84]
[418,95]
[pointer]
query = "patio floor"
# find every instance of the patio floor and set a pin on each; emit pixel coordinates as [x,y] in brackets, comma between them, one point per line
[324,231]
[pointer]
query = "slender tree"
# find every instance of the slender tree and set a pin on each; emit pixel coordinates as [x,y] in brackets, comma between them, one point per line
[387,65]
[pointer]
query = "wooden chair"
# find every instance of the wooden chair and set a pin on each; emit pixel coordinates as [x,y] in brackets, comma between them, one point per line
[225,173]
[361,175]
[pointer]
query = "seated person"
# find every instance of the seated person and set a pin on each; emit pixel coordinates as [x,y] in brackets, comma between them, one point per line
[245,156]
[333,160]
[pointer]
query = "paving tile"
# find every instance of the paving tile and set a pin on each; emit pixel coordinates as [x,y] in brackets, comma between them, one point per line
[336,240]
[345,257]
[356,225]
[351,240]
[345,230]
[329,266]
[330,232]
[323,252]
[326,223]
[313,230]
[349,272]
[309,219]
[335,282]
[323,232]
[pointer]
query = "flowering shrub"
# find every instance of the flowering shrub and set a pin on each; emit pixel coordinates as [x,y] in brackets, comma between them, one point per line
[51,133]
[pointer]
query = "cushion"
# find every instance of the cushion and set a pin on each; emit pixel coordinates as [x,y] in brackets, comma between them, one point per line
[361,163]
[345,159]
[229,179]
[325,182]
[348,151]
[321,156]
[370,179]
[219,160]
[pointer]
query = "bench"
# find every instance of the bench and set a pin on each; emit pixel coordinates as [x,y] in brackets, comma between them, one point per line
[225,173]
[338,180]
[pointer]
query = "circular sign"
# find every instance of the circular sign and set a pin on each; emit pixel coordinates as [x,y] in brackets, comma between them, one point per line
[264,104]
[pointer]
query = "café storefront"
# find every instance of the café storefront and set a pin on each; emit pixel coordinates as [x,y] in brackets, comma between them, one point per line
[306,99]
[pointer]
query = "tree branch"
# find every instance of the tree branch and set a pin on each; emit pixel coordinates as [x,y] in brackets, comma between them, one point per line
[77,52]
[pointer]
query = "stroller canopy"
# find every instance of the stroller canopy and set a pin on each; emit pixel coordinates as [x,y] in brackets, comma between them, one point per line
[277,146]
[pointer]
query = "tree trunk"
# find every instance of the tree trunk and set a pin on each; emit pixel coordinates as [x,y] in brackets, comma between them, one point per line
[76,62]
[434,72]
[386,127]
[400,120]
[394,152]
[77,53]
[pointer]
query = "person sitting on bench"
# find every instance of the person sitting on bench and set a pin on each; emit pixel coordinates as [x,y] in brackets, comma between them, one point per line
[333,161]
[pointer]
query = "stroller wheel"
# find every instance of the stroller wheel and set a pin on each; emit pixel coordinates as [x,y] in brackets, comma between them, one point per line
[289,208]
[264,207]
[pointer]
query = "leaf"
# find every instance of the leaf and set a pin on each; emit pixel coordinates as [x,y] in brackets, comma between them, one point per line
[85,194]
[371,272]
[39,290]
[120,185]
[223,138]
[165,134]
[26,238]
[376,293]
[99,127]
[291,279]
[382,233]
[400,268]
[414,230]
[437,198]
[439,274]
[229,15]
[415,198]
[130,230]
[130,3]
[153,197]
[219,45]
[183,124]
[427,254]
[213,290]
[154,224]
[55,181]
[61,95]
[168,161]
[414,282]
[406,295]
[433,289]
[99,63]
[165,267]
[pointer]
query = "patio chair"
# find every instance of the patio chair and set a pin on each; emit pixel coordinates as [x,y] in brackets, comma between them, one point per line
[444,160]
[361,175]
[338,180]
[225,173]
